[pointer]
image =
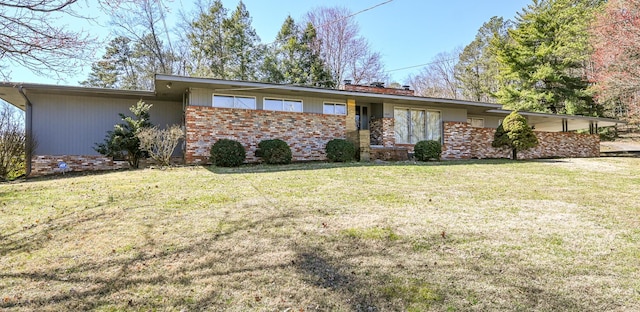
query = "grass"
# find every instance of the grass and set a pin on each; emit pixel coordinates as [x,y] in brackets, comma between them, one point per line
[455,236]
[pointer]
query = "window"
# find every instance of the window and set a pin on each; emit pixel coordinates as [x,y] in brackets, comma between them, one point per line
[231,101]
[282,105]
[476,122]
[334,108]
[414,125]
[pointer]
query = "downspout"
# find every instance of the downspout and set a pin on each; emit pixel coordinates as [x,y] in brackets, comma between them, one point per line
[28,132]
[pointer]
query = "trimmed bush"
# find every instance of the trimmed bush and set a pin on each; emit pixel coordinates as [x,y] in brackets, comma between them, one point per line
[227,153]
[340,150]
[274,152]
[426,150]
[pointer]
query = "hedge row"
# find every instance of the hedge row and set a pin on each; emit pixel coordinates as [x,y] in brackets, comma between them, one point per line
[231,153]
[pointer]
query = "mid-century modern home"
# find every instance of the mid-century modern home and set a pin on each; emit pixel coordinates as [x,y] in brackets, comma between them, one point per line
[385,123]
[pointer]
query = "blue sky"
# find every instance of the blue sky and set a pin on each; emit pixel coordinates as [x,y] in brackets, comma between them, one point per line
[405,32]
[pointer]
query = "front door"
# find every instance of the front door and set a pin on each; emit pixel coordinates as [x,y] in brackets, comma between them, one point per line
[362,117]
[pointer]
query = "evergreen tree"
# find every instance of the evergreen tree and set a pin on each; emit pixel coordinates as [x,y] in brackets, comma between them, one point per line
[318,74]
[150,57]
[208,49]
[115,69]
[122,142]
[242,44]
[477,66]
[515,133]
[543,64]
[294,59]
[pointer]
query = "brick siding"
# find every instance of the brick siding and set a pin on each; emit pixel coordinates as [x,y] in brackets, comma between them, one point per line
[461,141]
[48,164]
[307,134]
[382,132]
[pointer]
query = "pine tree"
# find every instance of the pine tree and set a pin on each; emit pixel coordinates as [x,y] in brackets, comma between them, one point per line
[115,69]
[150,57]
[242,44]
[206,37]
[477,66]
[294,59]
[318,74]
[543,64]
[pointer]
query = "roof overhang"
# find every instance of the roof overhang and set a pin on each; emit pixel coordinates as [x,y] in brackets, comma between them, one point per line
[553,122]
[171,85]
[10,92]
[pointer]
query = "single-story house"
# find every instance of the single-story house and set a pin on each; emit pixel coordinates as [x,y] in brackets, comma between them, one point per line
[385,123]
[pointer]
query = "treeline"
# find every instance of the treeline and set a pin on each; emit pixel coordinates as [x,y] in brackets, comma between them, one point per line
[321,50]
[558,56]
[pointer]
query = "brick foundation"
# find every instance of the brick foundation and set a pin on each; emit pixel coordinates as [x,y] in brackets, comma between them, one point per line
[48,164]
[307,134]
[389,153]
[461,141]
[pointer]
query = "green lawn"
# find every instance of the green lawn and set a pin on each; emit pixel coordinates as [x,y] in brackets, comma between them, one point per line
[549,235]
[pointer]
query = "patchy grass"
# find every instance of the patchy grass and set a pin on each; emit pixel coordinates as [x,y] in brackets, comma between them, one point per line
[455,236]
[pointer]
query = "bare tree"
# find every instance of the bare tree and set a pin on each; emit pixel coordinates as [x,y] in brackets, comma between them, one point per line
[437,79]
[615,37]
[13,143]
[345,52]
[366,66]
[30,37]
[143,22]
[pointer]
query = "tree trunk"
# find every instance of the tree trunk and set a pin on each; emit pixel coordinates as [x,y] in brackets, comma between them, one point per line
[514,154]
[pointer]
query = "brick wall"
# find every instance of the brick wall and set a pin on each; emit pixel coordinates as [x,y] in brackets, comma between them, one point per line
[307,134]
[456,141]
[47,164]
[461,141]
[382,132]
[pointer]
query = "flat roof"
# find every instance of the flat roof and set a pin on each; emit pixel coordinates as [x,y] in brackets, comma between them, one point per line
[173,87]
[10,91]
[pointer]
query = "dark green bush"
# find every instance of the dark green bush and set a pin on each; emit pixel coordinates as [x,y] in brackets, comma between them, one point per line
[340,150]
[425,150]
[274,151]
[227,153]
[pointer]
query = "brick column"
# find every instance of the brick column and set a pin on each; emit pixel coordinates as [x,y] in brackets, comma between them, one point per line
[365,146]
[351,128]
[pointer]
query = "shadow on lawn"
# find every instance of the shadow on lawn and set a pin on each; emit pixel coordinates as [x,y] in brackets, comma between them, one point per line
[36,233]
[319,165]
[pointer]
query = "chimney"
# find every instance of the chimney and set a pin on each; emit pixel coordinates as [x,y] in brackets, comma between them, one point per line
[378,87]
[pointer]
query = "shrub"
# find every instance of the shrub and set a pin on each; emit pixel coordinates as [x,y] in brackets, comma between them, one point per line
[340,150]
[515,133]
[227,153]
[160,144]
[425,150]
[274,151]
[122,142]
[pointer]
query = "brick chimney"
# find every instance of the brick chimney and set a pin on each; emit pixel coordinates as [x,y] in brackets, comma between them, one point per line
[377,87]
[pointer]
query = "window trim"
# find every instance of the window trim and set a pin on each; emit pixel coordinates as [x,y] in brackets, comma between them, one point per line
[334,103]
[470,121]
[441,130]
[255,100]
[283,100]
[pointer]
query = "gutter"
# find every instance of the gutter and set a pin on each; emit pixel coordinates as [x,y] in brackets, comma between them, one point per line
[28,132]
